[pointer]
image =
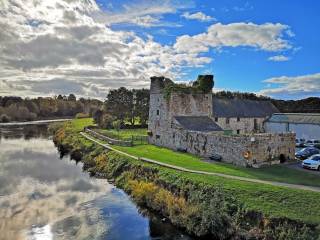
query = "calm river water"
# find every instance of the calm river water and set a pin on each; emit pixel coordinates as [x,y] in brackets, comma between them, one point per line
[45,197]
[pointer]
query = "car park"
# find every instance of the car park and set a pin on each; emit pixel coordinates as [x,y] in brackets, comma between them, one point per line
[300,142]
[306,153]
[312,162]
[312,142]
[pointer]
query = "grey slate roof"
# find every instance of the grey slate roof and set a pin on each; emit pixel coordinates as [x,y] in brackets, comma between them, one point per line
[242,108]
[307,118]
[197,123]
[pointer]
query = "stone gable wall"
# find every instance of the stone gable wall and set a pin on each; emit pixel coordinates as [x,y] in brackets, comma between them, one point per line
[245,125]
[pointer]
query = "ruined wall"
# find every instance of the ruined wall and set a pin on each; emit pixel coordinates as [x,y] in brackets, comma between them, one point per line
[262,149]
[190,104]
[245,125]
[162,109]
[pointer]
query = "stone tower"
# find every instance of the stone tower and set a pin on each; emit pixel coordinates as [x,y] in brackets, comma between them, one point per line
[163,109]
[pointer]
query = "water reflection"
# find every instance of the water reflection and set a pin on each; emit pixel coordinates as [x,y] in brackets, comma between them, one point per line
[45,197]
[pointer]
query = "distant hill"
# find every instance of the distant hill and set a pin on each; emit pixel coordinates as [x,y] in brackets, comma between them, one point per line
[307,105]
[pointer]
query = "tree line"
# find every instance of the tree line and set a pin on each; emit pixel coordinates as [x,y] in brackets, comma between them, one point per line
[307,105]
[19,109]
[126,107]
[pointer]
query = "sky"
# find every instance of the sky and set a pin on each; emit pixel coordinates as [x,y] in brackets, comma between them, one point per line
[86,47]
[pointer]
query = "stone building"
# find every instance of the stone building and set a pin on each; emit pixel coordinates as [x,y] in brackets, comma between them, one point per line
[240,115]
[196,122]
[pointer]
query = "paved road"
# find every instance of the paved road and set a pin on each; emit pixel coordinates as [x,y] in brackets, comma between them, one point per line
[298,167]
[280,184]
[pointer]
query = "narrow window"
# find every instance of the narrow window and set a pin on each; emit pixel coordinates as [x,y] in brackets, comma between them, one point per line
[238,119]
[216,119]
[157,136]
[227,120]
[255,124]
[158,112]
[238,131]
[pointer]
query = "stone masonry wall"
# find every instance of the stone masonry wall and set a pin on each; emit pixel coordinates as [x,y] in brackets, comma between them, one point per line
[190,105]
[245,125]
[262,149]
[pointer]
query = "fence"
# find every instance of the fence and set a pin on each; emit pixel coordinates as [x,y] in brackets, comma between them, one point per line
[108,139]
[128,142]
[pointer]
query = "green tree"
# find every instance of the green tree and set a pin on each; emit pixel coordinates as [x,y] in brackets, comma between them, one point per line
[141,105]
[119,103]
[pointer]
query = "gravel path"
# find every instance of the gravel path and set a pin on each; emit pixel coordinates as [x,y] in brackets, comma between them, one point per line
[280,184]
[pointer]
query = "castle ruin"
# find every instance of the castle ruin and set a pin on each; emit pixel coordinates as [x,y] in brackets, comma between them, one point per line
[191,120]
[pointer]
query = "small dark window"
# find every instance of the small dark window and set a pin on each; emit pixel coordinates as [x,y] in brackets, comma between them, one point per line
[158,112]
[238,119]
[255,124]
[227,120]
[238,131]
[216,119]
[157,136]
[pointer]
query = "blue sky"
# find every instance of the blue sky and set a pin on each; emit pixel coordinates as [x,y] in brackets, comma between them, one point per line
[244,68]
[266,47]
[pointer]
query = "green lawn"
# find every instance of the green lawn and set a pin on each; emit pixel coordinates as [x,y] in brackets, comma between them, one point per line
[123,134]
[278,173]
[271,200]
[77,125]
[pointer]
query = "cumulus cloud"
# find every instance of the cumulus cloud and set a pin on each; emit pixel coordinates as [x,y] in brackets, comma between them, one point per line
[200,16]
[305,85]
[279,58]
[268,37]
[52,47]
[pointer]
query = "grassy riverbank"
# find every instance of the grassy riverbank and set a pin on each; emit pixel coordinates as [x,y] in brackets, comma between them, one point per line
[211,202]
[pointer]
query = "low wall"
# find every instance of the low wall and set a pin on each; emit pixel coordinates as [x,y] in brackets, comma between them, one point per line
[108,139]
[252,150]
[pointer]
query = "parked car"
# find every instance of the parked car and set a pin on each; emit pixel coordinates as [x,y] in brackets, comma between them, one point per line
[300,142]
[306,152]
[312,142]
[312,162]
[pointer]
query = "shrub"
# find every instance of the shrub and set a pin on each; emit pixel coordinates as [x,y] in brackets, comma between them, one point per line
[4,118]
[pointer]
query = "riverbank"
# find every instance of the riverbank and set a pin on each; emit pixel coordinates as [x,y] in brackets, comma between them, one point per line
[206,206]
[44,121]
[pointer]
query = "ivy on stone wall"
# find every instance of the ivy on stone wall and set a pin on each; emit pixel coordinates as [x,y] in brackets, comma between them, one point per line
[203,84]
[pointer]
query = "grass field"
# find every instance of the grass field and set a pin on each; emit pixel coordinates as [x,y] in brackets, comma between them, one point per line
[123,134]
[278,173]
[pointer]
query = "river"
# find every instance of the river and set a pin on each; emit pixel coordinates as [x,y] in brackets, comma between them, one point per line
[43,196]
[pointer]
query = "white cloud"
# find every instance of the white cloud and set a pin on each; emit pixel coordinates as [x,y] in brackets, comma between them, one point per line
[279,58]
[200,16]
[142,13]
[59,46]
[65,46]
[268,37]
[305,85]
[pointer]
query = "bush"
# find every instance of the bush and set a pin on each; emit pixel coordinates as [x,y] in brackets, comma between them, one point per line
[4,118]
[205,83]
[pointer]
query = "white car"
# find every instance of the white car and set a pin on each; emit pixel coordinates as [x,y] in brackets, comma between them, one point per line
[312,162]
[312,142]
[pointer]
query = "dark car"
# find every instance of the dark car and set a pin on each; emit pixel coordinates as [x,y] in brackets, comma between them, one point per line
[306,152]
